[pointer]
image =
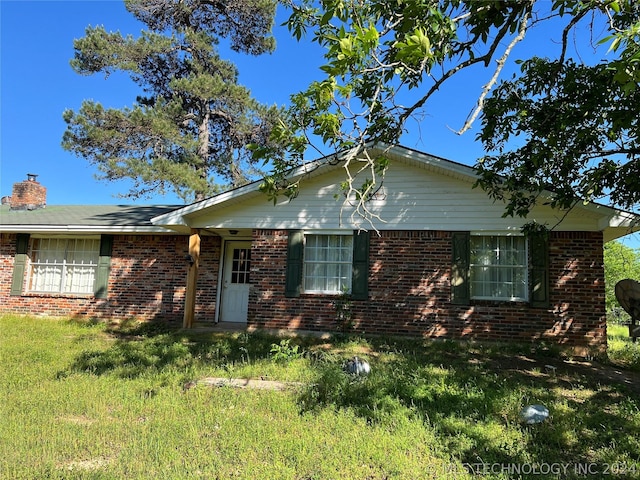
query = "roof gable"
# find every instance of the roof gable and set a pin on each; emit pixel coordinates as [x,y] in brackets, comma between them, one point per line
[419,192]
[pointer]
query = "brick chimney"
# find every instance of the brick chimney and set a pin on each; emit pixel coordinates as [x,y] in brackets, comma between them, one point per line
[28,194]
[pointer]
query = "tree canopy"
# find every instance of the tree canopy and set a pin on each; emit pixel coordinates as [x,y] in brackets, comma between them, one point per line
[189,129]
[560,124]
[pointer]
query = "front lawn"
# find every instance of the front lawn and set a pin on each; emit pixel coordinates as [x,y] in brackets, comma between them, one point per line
[622,351]
[85,400]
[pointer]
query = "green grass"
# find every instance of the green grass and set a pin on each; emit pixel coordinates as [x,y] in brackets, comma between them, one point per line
[622,351]
[83,400]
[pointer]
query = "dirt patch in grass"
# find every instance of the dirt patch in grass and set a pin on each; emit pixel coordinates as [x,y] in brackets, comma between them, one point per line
[243,383]
[607,374]
[77,420]
[565,370]
[91,464]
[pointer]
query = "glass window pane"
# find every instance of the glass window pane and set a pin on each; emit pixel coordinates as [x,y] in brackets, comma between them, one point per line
[60,265]
[327,263]
[498,267]
[241,265]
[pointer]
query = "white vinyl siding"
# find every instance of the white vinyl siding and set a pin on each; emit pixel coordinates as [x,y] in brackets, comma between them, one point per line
[412,198]
[328,263]
[498,267]
[64,265]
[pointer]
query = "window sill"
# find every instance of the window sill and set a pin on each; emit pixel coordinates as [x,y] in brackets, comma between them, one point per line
[58,295]
[486,301]
[319,294]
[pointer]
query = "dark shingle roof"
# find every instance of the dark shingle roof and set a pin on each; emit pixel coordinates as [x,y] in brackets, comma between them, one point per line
[84,215]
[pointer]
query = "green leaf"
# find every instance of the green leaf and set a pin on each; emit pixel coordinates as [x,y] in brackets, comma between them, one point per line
[326,18]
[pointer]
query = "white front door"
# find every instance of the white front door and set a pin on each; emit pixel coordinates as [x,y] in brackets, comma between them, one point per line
[235,282]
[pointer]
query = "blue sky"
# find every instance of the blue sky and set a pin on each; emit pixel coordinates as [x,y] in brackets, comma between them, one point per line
[37,85]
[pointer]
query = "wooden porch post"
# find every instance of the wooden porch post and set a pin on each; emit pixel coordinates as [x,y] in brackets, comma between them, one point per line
[192,279]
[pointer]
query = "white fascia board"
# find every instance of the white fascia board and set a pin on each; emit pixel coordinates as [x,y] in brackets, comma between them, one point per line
[177,217]
[82,229]
[174,218]
[618,219]
[610,216]
[458,170]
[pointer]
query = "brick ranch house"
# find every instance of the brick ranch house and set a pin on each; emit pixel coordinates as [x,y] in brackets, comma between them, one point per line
[441,262]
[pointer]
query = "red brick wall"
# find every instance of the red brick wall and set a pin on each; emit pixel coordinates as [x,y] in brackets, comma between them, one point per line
[409,289]
[147,281]
[268,307]
[409,293]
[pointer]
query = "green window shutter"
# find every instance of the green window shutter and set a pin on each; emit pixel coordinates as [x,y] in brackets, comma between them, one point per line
[360,278]
[295,247]
[19,263]
[104,266]
[460,268]
[539,270]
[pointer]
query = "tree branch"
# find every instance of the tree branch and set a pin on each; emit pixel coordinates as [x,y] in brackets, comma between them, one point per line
[565,33]
[486,58]
[500,65]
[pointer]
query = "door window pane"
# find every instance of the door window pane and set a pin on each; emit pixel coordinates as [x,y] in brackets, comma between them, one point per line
[241,265]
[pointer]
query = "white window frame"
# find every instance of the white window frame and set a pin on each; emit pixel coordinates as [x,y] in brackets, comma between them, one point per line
[63,265]
[517,293]
[345,266]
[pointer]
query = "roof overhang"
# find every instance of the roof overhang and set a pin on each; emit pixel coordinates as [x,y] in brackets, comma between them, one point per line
[616,223]
[612,222]
[84,229]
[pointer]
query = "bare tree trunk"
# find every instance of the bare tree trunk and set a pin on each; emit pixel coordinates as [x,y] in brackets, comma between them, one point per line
[203,153]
